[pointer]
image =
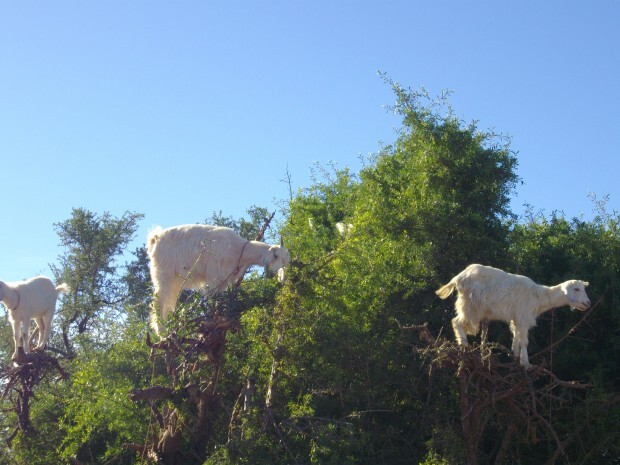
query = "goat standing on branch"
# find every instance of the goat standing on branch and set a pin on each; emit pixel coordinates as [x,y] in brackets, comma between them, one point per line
[35,299]
[489,294]
[199,256]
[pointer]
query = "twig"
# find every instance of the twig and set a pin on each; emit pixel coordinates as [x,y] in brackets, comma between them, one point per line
[572,330]
[9,439]
[281,436]
[261,233]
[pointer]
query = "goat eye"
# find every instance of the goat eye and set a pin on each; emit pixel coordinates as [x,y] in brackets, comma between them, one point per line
[576,289]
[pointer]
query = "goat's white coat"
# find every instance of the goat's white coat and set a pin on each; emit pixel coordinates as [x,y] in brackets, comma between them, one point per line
[35,299]
[487,294]
[344,228]
[197,256]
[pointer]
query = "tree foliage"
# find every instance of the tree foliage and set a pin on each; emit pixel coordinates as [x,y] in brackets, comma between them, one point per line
[92,246]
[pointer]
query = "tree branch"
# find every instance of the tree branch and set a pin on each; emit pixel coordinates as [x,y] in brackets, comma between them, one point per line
[572,330]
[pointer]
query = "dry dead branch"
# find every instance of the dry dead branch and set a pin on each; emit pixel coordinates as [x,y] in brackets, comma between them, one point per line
[193,355]
[492,386]
[19,383]
[197,358]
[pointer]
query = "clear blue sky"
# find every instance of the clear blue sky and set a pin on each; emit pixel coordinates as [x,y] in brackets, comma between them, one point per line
[177,109]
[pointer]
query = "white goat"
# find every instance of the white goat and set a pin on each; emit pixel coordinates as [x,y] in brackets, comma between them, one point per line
[488,294]
[209,258]
[35,299]
[344,228]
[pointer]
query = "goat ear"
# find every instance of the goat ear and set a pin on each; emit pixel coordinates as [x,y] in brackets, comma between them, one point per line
[586,283]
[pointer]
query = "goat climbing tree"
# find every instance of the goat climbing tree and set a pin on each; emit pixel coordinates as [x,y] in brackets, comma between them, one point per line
[193,355]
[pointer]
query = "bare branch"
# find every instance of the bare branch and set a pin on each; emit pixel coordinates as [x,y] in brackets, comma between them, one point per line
[572,330]
[490,387]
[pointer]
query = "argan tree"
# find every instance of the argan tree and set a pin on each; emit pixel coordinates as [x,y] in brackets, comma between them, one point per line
[93,244]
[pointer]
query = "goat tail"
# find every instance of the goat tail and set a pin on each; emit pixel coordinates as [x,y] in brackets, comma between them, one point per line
[62,288]
[152,239]
[444,291]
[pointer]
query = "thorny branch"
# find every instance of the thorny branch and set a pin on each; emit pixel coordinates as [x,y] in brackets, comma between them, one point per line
[193,362]
[491,387]
[19,383]
[573,329]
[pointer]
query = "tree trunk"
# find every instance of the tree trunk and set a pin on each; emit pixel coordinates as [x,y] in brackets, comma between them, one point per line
[470,420]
